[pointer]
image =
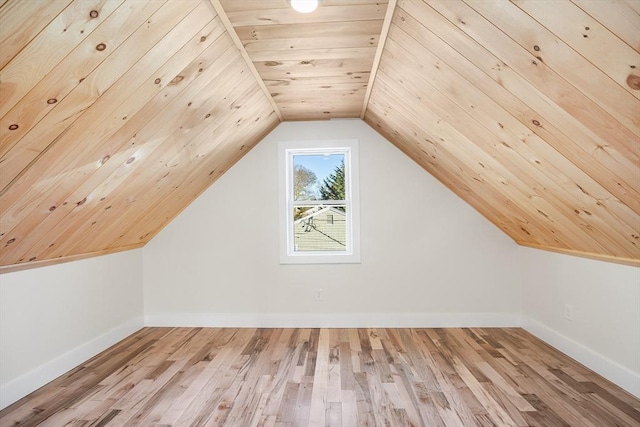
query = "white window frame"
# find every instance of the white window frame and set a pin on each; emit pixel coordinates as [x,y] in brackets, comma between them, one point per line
[286,151]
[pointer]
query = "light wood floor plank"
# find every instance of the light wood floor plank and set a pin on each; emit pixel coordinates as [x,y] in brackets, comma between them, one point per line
[328,377]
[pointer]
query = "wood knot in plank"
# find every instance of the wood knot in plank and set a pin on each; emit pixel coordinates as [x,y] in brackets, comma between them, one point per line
[535,122]
[81,202]
[157,81]
[101,47]
[10,241]
[52,208]
[94,14]
[633,81]
[52,101]
[176,80]
[272,63]
[203,38]
[13,127]
[536,48]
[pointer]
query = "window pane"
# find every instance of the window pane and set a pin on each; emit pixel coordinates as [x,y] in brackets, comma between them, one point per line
[320,228]
[318,177]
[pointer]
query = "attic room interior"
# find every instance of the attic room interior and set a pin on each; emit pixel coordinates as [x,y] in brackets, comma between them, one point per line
[478,266]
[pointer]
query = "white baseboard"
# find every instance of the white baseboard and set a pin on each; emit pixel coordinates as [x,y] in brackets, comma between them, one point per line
[333,320]
[614,372]
[17,388]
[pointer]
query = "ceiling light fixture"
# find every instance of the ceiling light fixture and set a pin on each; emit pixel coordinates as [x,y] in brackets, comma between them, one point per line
[304,6]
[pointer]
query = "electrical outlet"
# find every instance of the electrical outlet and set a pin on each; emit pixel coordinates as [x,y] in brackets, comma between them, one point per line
[568,312]
[318,294]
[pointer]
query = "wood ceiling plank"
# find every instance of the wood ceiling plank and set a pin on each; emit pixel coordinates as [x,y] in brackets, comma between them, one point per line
[454,174]
[355,78]
[93,88]
[312,54]
[321,96]
[567,63]
[555,171]
[384,117]
[543,118]
[343,29]
[103,124]
[550,85]
[47,49]
[167,134]
[474,116]
[343,103]
[320,68]
[237,119]
[59,82]
[55,125]
[135,140]
[327,113]
[360,64]
[617,16]
[21,21]
[590,38]
[287,15]
[317,86]
[225,154]
[461,147]
[302,43]
[324,114]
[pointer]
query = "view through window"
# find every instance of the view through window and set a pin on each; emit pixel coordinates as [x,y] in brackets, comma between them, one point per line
[319,202]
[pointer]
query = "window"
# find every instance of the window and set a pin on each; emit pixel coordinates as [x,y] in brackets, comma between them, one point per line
[319,209]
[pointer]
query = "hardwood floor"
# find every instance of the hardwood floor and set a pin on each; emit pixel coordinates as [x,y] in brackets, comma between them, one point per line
[328,377]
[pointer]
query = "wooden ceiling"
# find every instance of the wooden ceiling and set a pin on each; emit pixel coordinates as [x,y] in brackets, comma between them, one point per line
[315,65]
[116,114]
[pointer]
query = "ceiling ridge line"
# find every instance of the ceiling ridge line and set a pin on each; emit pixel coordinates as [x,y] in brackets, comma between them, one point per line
[245,55]
[382,41]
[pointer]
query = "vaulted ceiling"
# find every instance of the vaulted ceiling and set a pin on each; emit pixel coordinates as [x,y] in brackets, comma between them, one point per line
[116,114]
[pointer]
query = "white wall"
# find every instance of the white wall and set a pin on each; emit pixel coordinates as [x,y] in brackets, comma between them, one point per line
[53,318]
[427,257]
[605,331]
